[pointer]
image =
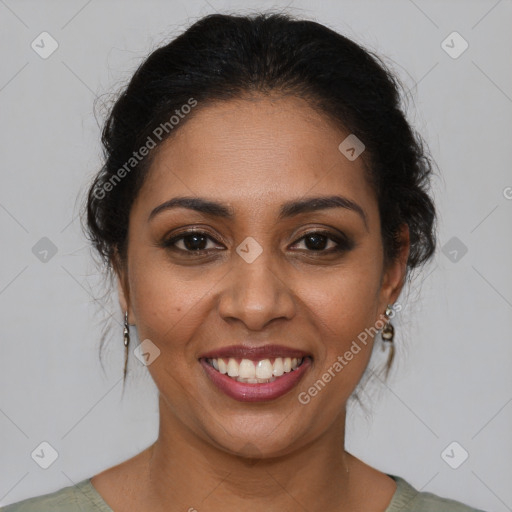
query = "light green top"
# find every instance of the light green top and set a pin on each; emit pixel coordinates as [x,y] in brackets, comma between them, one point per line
[83,497]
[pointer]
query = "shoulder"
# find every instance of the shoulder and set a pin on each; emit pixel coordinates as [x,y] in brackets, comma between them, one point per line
[409,499]
[74,498]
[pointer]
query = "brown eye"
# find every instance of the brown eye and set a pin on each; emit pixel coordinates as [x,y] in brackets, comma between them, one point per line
[316,241]
[325,242]
[190,241]
[195,242]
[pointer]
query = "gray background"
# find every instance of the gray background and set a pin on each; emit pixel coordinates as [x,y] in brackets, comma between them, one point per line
[452,381]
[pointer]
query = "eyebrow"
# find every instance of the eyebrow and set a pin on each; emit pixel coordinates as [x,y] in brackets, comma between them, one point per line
[287,210]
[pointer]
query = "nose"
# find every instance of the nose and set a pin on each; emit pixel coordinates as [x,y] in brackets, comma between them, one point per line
[256,294]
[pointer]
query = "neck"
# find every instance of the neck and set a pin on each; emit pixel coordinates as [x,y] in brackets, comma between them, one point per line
[187,470]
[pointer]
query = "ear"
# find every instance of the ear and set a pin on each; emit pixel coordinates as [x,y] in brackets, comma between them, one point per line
[123,289]
[123,295]
[393,278]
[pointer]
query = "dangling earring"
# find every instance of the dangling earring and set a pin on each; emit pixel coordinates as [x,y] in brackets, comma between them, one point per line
[387,334]
[388,331]
[126,331]
[126,341]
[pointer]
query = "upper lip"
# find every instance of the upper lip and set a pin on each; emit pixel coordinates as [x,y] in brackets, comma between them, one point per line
[260,352]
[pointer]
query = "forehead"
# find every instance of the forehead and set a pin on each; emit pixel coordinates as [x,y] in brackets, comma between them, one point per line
[256,152]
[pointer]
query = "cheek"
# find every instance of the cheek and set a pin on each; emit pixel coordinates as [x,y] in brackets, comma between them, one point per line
[166,305]
[344,302]
[342,308]
[342,323]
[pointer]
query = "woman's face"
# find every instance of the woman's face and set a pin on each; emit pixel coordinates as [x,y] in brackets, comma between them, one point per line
[257,279]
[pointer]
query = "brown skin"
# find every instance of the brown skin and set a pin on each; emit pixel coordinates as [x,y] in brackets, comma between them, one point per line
[253,155]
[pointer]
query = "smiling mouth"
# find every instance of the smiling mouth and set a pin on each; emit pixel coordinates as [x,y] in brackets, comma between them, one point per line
[260,371]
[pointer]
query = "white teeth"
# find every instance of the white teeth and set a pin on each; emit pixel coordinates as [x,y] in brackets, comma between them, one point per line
[223,367]
[246,369]
[264,369]
[232,368]
[278,367]
[250,372]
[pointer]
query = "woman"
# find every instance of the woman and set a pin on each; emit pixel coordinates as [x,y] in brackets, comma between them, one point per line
[262,203]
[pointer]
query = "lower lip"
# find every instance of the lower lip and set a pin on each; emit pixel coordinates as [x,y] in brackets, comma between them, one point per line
[256,392]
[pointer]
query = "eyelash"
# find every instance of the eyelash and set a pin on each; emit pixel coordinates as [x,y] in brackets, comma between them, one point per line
[343,245]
